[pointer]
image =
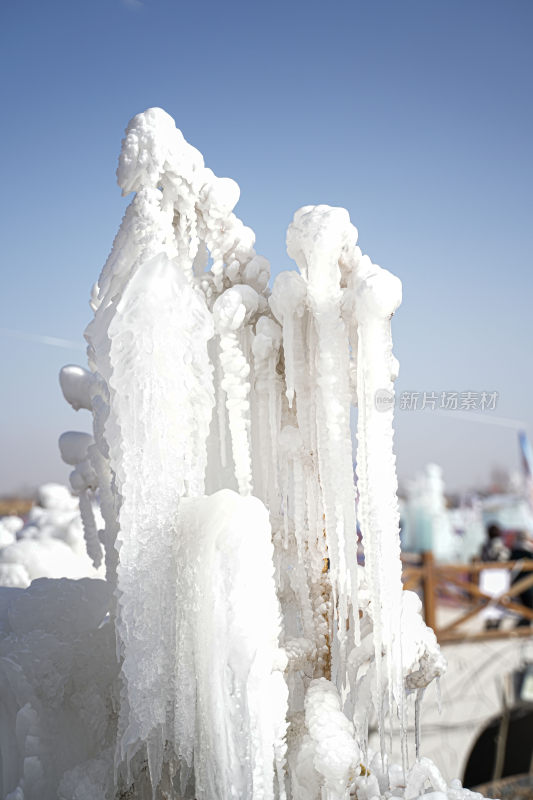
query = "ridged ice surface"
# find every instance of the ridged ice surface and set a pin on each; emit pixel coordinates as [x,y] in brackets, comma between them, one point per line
[229,668]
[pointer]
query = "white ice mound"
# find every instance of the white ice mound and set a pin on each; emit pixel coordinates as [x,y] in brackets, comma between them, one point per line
[9,527]
[55,498]
[230,715]
[50,544]
[422,657]
[153,147]
[74,446]
[76,386]
[336,756]
[46,557]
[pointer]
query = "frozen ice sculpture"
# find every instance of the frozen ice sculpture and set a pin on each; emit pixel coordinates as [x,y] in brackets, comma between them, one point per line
[252,651]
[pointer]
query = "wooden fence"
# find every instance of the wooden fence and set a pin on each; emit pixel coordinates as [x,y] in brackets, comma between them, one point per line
[456,587]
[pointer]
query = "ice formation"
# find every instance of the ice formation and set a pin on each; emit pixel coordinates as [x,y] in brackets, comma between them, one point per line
[57,672]
[252,651]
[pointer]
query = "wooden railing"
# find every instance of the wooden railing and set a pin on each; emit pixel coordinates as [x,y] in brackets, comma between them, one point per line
[19,506]
[457,586]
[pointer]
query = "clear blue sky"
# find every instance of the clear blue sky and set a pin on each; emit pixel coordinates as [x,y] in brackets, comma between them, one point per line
[416,115]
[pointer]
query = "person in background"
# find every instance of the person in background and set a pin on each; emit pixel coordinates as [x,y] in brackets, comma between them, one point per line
[494,582]
[494,548]
[523,549]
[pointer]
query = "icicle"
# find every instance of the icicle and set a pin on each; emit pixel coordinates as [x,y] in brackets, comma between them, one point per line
[439,695]
[299,533]
[402,715]
[316,239]
[230,311]
[75,449]
[288,303]
[265,348]
[237,387]
[90,531]
[274,423]
[221,412]
[284,485]
[377,295]
[418,703]
[108,507]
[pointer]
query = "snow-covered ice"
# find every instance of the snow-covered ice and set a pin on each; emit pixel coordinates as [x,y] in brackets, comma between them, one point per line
[49,544]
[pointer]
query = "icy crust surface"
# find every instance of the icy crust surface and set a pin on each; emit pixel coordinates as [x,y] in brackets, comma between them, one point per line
[58,671]
[229,666]
[316,239]
[60,686]
[252,651]
[335,754]
[423,781]
[153,466]
[152,396]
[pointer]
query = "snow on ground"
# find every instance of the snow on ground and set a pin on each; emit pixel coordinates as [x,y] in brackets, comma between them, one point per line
[57,674]
[49,544]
